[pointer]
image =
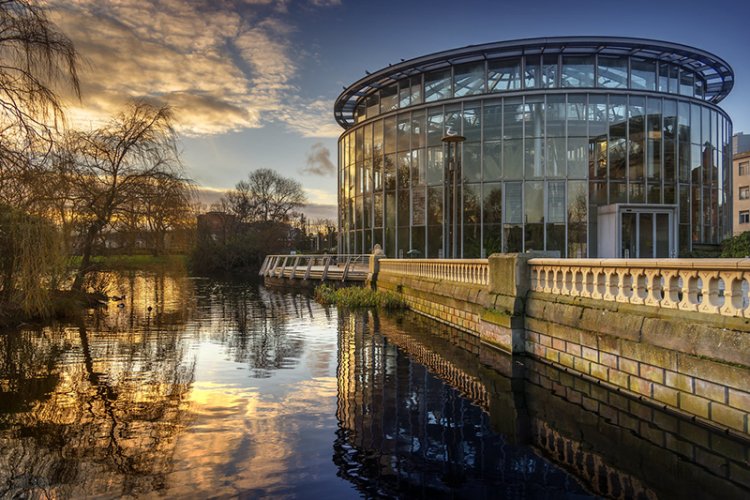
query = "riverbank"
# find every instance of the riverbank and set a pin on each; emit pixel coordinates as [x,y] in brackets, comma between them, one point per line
[63,304]
[135,262]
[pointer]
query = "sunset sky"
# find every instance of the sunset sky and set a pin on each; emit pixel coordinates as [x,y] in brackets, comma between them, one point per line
[252,82]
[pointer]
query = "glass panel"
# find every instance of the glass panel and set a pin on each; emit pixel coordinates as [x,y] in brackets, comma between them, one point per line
[492,121]
[555,157]
[654,132]
[404,131]
[404,215]
[437,85]
[532,72]
[663,77]
[556,202]
[577,219]
[612,72]
[534,157]
[683,141]
[576,114]
[435,128]
[372,105]
[533,216]
[471,221]
[504,75]
[389,132]
[417,242]
[513,203]
[417,130]
[645,236]
[468,79]
[577,157]
[403,167]
[513,159]
[555,115]
[687,83]
[550,71]
[662,236]
[434,221]
[492,170]
[390,172]
[472,167]
[577,71]
[492,213]
[435,165]
[378,210]
[388,99]
[404,93]
[642,74]
[416,90]
[636,142]
[628,241]
[669,136]
[472,129]
[617,149]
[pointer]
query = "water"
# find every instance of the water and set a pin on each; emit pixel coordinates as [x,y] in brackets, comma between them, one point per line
[227,389]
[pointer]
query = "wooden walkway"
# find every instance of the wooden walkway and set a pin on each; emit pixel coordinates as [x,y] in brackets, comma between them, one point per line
[320,268]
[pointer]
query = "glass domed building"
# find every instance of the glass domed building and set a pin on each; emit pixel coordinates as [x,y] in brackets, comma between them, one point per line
[588,146]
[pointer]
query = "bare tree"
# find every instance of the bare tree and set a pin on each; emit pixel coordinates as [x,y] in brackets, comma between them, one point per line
[35,59]
[266,196]
[111,164]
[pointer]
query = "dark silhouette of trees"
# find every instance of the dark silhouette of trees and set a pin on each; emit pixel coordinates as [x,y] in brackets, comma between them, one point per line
[265,196]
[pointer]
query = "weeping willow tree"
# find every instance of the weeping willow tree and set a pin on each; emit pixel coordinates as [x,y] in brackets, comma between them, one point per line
[32,260]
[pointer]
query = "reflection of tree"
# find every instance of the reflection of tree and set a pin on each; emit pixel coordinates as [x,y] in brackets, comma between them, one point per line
[253,324]
[95,409]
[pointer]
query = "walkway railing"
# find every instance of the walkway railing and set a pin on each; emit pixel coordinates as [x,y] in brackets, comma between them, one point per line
[346,267]
[469,271]
[718,286]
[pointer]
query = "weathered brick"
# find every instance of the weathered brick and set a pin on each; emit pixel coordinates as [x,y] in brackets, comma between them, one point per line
[739,474]
[590,404]
[640,386]
[608,359]
[730,417]
[609,344]
[739,399]
[710,390]
[682,382]
[649,354]
[619,378]
[558,344]
[590,354]
[545,340]
[695,434]
[679,446]
[573,396]
[582,365]
[628,366]
[731,376]
[608,413]
[652,373]
[666,395]
[695,405]
[574,349]
[599,371]
[552,355]
[567,360]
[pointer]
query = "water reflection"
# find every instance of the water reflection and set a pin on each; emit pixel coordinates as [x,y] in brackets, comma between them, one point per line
[405,431]
[229,389]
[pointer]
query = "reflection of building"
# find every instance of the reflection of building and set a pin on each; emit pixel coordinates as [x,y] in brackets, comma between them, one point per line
[404,432]
[741,178]
[587,146]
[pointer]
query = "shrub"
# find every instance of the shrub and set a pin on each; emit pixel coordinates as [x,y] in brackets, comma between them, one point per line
[357,297]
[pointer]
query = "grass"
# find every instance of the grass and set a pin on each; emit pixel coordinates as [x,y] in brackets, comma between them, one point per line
[135,262]
[357,297]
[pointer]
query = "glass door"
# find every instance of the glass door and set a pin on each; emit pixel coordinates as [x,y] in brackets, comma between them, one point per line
[646,234]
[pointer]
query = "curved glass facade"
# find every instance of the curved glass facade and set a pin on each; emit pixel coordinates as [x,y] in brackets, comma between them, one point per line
[549,140]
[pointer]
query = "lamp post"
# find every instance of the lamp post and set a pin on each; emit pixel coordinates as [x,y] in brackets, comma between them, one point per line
[450,195]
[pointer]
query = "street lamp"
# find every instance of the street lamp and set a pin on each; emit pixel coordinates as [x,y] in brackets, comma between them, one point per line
[450,195]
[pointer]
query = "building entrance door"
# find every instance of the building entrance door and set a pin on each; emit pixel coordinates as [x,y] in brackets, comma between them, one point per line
[637,231]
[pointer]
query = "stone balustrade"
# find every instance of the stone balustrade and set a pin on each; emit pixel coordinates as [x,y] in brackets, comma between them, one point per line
[466,271]
[716,286]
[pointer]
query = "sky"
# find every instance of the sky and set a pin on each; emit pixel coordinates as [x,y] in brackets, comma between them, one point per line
[252,82]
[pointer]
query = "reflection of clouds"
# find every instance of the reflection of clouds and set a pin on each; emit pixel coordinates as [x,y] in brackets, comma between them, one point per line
[223,66]
[241,437]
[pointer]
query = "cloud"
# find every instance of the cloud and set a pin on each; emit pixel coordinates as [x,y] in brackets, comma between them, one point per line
[223,65]
[319,161]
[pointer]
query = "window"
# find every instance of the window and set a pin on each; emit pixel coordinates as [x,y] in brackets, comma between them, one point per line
[744,192]
[744,168]
[744,216]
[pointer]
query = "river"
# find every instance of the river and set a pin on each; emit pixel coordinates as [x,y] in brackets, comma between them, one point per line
[200,388]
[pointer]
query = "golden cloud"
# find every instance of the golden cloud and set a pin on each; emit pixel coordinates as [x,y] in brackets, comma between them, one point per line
[223,66]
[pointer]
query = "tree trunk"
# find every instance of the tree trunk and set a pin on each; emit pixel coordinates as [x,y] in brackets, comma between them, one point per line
[88,245]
